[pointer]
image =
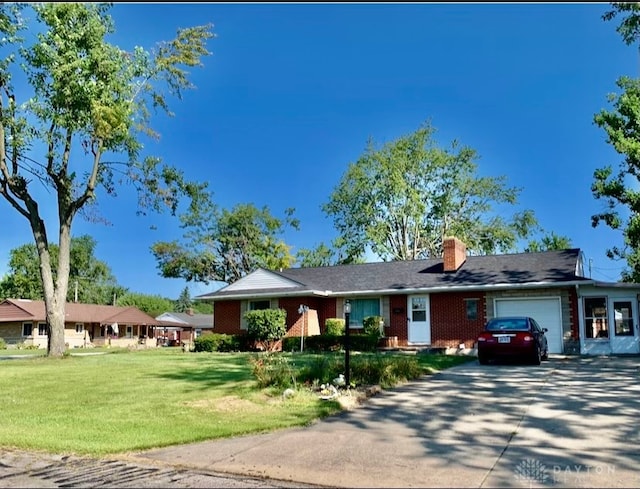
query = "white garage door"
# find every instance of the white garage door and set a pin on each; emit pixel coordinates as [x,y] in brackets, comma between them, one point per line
[545,311]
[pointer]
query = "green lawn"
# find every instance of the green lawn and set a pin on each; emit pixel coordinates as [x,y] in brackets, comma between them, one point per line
[124,401]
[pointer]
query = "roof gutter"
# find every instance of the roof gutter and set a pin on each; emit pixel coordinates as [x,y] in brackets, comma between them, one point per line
[395,291]
[272,293]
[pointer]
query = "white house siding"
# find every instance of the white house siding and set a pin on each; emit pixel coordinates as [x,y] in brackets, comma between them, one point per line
[261,279]
[601,346]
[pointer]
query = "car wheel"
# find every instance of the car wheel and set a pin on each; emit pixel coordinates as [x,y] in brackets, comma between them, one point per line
[537,357]
[483,359]
[545,355]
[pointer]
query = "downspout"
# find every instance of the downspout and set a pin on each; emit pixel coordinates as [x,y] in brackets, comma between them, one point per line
[579,319]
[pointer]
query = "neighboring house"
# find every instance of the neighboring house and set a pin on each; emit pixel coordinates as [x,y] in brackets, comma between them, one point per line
[184,326]
[23,321]
[445,302]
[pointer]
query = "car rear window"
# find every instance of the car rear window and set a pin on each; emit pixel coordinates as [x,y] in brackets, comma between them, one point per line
[511,324]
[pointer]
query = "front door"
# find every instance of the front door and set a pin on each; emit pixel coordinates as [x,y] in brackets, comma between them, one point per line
[419,323]
[624,330]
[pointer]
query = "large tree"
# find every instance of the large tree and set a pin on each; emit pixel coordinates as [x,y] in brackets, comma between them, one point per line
[548,242]
[153,305]
[91,279]
[619,189]
[225,245]
[402,199]
[80,131]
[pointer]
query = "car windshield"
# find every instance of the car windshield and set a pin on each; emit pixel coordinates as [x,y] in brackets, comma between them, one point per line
[507,324]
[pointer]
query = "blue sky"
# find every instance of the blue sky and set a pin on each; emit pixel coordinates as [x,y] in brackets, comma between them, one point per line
[292,92]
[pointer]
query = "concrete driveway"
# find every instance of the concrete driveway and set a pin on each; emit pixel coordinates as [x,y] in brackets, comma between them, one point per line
[568,423]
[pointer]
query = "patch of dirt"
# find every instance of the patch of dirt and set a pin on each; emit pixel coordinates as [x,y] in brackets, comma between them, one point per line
[224,404]
[354,398]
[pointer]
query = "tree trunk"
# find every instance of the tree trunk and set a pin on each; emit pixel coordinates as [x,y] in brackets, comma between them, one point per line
[55,293]
[55,329]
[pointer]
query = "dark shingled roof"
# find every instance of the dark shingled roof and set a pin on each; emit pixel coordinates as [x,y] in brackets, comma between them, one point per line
[550,268]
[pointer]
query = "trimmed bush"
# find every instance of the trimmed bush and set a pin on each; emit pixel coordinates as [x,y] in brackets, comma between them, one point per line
[334,326]
[266,326]
[218,342]
[3,344]
[371,326]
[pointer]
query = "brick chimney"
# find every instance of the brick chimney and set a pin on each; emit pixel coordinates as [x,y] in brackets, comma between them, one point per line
[454,254]
[189,311]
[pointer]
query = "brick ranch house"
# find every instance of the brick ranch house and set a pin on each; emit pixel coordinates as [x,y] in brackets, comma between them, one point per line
[445,302]
[183,327]
[23,321]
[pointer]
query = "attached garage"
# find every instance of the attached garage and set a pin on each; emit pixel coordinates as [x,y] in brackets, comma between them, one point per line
[546,311]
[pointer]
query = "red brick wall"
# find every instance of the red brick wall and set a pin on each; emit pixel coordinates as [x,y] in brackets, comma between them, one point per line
[294,318]
[227,314]
[327,308]
[226,317]
[449,323]
[454,254]
[398,313]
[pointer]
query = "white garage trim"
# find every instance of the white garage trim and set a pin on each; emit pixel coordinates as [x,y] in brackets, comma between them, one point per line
[547,311]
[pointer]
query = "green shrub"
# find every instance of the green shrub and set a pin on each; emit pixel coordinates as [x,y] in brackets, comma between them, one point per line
[387,371]
[362,342]
[334,326]
[218,342]
[266,326]
[371,326]
[292,343]
[3,344]
[321,370]
[273,369]
[324,342]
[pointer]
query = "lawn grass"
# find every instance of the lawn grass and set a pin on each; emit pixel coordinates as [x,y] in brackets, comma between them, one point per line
[125,401]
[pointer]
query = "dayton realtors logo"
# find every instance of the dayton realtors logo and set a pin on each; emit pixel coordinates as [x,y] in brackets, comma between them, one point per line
[531,470]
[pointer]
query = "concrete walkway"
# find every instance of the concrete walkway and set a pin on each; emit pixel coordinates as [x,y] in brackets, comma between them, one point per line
[568,423]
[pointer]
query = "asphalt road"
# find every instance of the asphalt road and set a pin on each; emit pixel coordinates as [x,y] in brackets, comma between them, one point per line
[569,423]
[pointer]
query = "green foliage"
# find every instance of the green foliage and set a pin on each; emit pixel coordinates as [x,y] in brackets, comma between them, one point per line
[324,256]
[629,27]
[202,307]
[334,326]
[371,326]
[273,370]
[548,242]
[225,245]
[324,343]
[366,369]
[91,279]
[184,302]
[385,370]
[212,342]
[153,305]
[619,190]
[80,98]
[328,343]
[292,343]
[266,326]
[321,369]
[3,344]
[401,199]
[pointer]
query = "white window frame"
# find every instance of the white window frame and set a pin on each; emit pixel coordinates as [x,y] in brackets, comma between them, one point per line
[43,327]
[79,328]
